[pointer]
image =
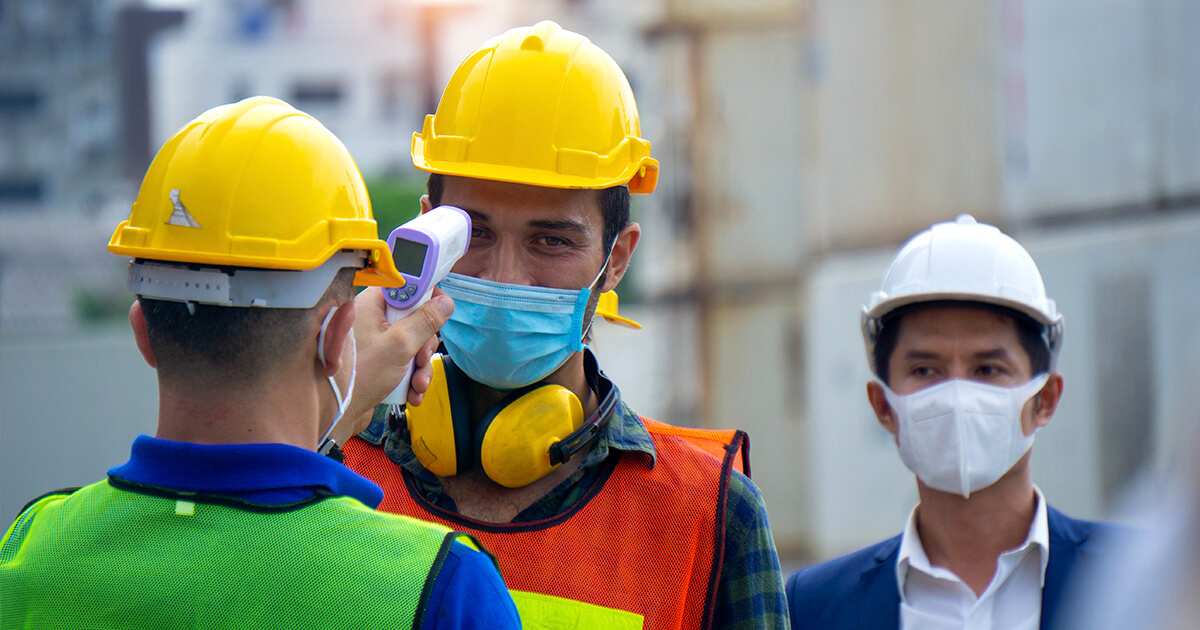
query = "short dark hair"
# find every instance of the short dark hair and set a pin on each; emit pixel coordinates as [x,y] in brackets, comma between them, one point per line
[227,343]
[613,201]
[1029,333]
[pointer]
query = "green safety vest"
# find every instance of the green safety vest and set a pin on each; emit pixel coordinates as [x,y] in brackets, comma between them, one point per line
[104,557]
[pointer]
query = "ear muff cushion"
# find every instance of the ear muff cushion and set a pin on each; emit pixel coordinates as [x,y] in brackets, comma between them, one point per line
[466,451]
[486,422]
[515,438]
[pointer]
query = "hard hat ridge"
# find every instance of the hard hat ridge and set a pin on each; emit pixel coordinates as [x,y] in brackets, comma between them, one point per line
[541,106]
[252,185]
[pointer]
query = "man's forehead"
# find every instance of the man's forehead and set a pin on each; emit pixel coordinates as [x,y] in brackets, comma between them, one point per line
[488,200]
[965,320]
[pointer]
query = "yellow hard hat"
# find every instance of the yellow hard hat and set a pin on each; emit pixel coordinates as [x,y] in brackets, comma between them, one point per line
[541,106]
[606,307]
[255,184]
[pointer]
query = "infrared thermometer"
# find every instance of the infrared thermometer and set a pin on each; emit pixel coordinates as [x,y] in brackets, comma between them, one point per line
[424,250]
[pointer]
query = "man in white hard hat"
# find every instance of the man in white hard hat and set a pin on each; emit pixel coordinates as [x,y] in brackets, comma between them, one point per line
[963,341]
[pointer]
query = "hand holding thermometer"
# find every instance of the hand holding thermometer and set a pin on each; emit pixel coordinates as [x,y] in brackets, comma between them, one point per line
[424,250]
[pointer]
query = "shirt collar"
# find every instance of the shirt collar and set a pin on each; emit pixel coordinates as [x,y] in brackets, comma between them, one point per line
[912,552]
[240,470]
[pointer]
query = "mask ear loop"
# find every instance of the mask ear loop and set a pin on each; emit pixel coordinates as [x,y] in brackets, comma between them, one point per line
[591,287]
[325,443]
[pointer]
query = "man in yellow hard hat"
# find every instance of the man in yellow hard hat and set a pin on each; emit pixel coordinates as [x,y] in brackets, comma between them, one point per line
[598,518]
[247,236]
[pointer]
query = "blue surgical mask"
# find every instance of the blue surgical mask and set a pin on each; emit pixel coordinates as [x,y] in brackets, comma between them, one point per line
[507,336]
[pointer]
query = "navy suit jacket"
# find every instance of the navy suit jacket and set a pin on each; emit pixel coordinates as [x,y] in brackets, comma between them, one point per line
[859,590]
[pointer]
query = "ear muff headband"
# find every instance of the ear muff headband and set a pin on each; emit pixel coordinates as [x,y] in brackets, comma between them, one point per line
[563,450]
[460,410]
[439,428]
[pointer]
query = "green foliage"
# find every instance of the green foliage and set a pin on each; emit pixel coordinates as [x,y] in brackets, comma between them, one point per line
[394,200]
[101,307]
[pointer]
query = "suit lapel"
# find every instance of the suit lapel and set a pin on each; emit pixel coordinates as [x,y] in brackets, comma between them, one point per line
[878,595]
[1066,536]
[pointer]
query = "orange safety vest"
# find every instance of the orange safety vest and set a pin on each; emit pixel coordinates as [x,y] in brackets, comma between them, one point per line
[644,540]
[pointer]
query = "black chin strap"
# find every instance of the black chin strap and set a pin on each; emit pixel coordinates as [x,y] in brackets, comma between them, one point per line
[562,451]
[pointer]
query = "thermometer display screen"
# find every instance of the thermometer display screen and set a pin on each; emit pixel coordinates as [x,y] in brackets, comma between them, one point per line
[409,256]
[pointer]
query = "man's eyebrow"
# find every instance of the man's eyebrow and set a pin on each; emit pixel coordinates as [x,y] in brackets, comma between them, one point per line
[995,353]
[560,225]
[920,354]
[476,216]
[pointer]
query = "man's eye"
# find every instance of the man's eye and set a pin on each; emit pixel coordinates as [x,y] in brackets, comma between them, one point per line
[922,371]
[554,241]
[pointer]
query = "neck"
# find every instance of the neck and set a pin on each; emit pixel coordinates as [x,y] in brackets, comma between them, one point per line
[478,497]
[282,410]
[967,536]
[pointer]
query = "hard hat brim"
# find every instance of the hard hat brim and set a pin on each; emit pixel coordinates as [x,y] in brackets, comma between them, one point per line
[641,177]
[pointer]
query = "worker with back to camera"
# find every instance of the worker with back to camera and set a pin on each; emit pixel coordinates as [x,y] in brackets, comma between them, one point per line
[250,229]
[963,341]
[594,513]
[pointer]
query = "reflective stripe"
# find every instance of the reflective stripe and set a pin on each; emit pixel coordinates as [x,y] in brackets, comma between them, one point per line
[547,612]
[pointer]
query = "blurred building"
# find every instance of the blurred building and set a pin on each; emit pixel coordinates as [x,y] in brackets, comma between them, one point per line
[801,142]
[74,140]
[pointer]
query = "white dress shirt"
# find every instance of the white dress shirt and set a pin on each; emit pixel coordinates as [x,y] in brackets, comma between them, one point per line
[933,598]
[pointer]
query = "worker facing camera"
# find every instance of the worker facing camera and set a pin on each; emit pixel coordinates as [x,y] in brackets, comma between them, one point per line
[522,439]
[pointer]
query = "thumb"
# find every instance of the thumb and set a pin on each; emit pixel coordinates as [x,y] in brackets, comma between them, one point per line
[411,332]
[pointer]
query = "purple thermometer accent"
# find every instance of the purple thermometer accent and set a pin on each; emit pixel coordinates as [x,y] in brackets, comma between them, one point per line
[415,253]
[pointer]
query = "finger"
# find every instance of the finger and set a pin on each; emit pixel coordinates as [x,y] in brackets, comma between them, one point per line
[371,298]
[421,380]
[372,318]
[411,333]
[426,354]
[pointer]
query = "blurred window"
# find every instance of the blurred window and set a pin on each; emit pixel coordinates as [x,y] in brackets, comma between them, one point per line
[19,101]
[307,94]
[14,189]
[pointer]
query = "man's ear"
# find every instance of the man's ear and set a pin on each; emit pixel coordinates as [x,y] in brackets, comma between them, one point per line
[137,321]
[622,251]
[1045,402]
[426,205]
[883,411]
[335,336]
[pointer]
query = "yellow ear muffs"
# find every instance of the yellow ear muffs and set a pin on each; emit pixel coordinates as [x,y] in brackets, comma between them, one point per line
[440,426]
[515,436]
[524,437]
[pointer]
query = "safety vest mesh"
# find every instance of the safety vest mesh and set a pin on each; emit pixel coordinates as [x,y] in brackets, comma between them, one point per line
[104,557]
[646,541]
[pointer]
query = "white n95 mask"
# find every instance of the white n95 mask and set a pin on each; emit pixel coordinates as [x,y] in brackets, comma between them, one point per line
[962,436]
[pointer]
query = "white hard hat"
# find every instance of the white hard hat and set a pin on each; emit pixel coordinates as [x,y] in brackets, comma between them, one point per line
[968,262]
